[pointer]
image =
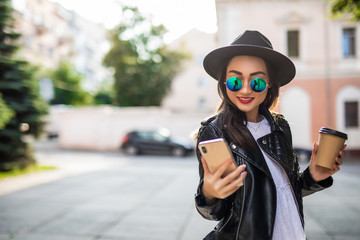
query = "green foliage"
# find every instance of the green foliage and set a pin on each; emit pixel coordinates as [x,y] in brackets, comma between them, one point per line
[18,172]
[102,98]
[7,35]
[67,84]
[105,94]
[6,113]
[144,67]
[19,90]
[346,6]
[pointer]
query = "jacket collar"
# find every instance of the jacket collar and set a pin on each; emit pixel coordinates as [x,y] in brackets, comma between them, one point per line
[271,117]
[250,156]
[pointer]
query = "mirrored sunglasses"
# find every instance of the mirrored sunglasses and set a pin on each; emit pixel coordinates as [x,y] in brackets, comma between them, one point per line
[235,84]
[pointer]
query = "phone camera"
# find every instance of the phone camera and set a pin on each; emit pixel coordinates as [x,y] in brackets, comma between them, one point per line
[204,149]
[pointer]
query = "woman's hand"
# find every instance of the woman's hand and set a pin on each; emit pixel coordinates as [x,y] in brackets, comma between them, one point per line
[216,186]
[321,173]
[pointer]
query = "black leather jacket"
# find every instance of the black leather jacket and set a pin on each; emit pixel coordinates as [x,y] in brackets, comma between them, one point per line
[250,212]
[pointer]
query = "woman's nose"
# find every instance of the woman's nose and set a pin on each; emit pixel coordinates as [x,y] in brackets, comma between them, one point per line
[246,89]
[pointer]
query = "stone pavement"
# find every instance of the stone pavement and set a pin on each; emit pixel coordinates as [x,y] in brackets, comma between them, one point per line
[334,213]
[113,197]
[108,196]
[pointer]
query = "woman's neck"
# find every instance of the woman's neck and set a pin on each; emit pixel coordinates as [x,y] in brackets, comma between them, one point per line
[255,118]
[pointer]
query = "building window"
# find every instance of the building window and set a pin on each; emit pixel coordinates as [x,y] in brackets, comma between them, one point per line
[348,42]
[351,114]
[293,43]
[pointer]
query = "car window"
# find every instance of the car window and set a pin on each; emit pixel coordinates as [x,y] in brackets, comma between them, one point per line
[144,135]
[159,137]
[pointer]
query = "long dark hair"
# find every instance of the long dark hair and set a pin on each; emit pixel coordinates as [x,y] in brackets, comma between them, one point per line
[234,121]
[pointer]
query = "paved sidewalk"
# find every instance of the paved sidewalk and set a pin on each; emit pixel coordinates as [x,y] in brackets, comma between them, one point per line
[334,214]
[68,163]
[114,197]
[109,196]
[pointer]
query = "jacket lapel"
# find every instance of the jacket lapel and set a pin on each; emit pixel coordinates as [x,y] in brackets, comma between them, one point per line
[253,157]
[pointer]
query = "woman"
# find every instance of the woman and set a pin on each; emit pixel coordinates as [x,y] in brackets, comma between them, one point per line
[262,197]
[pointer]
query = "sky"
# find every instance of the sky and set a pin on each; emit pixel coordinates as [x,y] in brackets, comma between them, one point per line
[178,16]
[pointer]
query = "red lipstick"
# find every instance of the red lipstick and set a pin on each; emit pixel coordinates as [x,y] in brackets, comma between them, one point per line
[245,100]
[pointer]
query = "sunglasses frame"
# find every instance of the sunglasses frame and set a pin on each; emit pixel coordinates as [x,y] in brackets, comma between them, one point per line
[235,89]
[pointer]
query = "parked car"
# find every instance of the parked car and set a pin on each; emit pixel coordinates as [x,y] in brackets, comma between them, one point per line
[303,154]
[154,141]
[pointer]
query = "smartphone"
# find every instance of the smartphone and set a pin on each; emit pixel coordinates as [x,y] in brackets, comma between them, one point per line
[215,152]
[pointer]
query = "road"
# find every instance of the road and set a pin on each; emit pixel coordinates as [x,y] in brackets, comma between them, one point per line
[108,196]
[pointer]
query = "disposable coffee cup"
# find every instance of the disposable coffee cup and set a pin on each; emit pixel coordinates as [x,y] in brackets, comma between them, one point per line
[330,143]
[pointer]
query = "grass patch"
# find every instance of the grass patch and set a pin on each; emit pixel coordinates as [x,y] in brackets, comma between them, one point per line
[31,169]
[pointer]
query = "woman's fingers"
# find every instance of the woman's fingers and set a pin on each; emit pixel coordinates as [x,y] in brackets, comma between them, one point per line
[216,185]
[235,185]
[314,151]
[344,147]
[235,174]
[223,167]
[338,160]
[205,166]
[233,181]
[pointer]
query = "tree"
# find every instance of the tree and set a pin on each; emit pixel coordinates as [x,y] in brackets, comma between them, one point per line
[19,91]
[346,6]
[144,67]
[105,94]
[6,113]
[67,84]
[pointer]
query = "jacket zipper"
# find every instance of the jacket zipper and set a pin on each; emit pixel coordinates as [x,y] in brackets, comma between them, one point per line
[232,207]
[242,209]
[227,221]
[287,177]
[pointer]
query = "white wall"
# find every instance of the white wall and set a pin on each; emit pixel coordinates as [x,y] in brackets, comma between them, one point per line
[347,94]
[295,105]
[102,128]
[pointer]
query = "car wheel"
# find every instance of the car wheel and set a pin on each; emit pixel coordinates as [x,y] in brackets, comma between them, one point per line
[178,151]
[131,150]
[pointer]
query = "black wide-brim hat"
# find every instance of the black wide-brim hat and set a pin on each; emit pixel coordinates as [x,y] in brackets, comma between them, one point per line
[251,43]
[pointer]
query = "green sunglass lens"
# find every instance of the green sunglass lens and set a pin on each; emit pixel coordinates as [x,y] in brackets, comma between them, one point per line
[258,85]
[234,84]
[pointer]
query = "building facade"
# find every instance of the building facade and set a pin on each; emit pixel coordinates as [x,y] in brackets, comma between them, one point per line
[51,33]
[46,38]
[193,90]
[325,50]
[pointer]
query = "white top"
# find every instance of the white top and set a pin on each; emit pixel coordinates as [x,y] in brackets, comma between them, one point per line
[287,220]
